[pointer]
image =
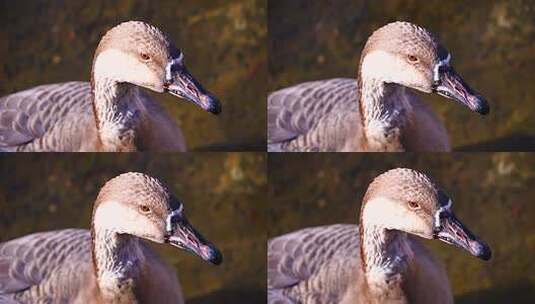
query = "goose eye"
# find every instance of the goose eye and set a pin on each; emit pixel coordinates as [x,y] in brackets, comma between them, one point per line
[412,58]
[414,205]
[144,209]
[144,57]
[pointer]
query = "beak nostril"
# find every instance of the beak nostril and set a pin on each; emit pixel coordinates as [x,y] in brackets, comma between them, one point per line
[192,89]
[191,239]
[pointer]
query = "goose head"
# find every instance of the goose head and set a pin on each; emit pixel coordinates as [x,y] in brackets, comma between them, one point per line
[140,54]
[409,55]
[138,205]
[409,201]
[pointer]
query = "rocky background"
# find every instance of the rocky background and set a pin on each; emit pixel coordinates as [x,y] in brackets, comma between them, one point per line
[492,195]
[224,43]
[491,43]
[224,197]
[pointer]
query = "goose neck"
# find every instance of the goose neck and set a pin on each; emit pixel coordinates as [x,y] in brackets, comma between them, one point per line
[383,250]
[385,258]
[117,260]
[116,112]
[385,110]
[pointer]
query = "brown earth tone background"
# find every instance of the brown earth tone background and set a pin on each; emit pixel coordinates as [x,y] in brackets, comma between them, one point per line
[492,44]
[492,195]
[224,195]
[224,43]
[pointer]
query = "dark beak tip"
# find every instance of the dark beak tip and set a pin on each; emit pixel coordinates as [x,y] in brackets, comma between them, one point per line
[485,254]
[216,258]
[480,249]
[215,107]
[483,108]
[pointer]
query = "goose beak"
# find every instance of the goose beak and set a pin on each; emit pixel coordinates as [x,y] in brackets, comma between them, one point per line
[181,83]
[452,231]
[184,236]
[452,86]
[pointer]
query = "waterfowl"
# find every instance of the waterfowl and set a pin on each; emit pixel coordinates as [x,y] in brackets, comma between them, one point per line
[379,261]
[111,113]
[112,263]
[375,112]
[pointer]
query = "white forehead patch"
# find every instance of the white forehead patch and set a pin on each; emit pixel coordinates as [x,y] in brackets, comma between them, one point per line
[436,70]
[171,216]
[446,207]
[170,64]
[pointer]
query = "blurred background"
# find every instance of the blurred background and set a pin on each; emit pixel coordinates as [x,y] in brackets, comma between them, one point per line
[223,41]
[492,194]
[224,196]
[492,44]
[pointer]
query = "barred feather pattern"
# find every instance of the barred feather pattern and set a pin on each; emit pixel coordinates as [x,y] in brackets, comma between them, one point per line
[313,116]
[48,267]
[60,117]
[313,265]
[37,119]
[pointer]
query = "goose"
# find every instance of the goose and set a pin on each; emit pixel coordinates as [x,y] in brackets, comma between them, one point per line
[379,261]
[112,263]
[375,112]
[111,113]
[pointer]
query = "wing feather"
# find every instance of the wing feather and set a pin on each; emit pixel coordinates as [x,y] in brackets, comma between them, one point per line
[300,257]
[32,114]
[44,263]
[294,111]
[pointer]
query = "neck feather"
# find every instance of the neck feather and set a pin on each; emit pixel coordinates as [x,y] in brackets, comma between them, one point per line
[385,258]
[117,260]
[382,250]
[116,113]
[384,110]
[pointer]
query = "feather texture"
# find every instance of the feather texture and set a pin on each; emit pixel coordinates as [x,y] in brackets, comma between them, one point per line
[313,265]
[60,117]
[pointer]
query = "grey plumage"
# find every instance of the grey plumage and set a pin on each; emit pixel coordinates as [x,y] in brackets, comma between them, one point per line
[301,117]
[322,265]
[313,265]
[35,119]
[57,267]
[33,266]
[38,119]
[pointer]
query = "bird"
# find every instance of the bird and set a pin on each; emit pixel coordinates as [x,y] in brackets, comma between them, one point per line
[111,113]
[112,262]
[375,112]
[380,260]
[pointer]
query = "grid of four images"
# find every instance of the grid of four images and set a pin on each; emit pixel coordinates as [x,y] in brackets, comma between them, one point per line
[280,151]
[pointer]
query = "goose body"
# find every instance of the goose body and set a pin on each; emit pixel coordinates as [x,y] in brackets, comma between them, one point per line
[379,261]
[111,263]
[39,119]
[111,113]
[57,267]
[322,265]
[325,115]
[374,112]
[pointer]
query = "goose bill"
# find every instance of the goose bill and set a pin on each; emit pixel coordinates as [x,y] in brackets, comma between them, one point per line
[184,236]
[183,85]
[452,86]
[453,232]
